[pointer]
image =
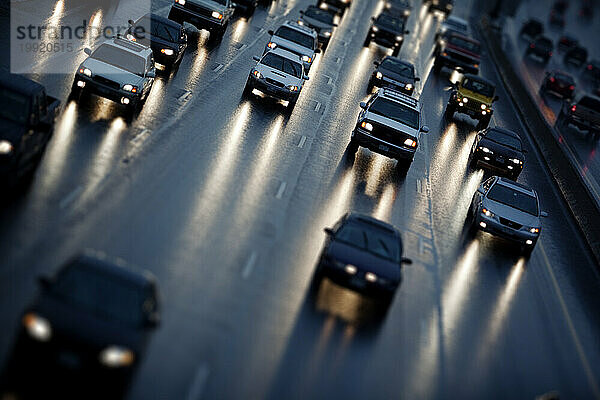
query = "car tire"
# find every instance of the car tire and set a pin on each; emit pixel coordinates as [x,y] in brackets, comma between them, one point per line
[247,90]
[395,51]
[174,16]
[367,42]
[483,122]
[370,86]
[217,36]
[291,105]
[449,112]
[352,147]
[403,165]
[472,163]
[437,68]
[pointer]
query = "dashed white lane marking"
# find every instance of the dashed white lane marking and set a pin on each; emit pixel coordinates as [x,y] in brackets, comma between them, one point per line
[419,186]
[141,137]
[302,141]
[280,191]
[68,199]
[317,106]
[249,266]
[185,97]
[199,382]
[218,67]
[421,245]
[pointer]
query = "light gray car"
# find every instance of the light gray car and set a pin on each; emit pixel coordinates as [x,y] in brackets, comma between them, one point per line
[507,209]
[295,38]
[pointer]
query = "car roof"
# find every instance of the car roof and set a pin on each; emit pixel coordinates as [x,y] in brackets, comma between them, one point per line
[161,19]
[516,186]
[398,60]
[399,97]
[505,131]
[19,83]
[367,219]
[287,54]
[304,29]
[464,37]
[479,78]
[129,46]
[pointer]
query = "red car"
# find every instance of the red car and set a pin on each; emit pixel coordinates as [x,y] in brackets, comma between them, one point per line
[559,83]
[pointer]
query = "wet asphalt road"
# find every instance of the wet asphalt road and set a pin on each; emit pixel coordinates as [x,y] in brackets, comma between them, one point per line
[225,200]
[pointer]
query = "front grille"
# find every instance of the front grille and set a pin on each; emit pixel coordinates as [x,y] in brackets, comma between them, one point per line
[107,82]
[274,82]
[459,57]
[198,9]
[510,223]
[384,35]
[388,134]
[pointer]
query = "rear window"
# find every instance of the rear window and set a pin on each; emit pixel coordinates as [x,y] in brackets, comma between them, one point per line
[319,15]
[590,102]
[456,25]
[514,198]
[391,22]
[159,30]
[295,36]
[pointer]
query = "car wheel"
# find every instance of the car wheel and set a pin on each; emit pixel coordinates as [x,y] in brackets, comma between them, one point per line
[527,250]
[449,112]
[291,105]
[396,51]
[436,68]
[174,16]
[483,122]
[352,147]
[247,90]
[370,86]
[403,165]
[367,42]
[472,163]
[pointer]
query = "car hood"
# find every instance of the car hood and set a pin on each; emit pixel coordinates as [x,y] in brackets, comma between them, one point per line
[399,126]
[293,47]
[111,72]
[462,92]
[11,131]
[210,5]
[396,76]
[80,326]
[511,213]
[498,148]
[316,24]
[363,260]
[280,76]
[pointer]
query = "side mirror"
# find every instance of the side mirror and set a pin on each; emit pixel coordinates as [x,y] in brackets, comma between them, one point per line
[406,261]
[305,77]
[372,18]
[417,79]
[376,63]
[496,98]
[406,32]
[363,105]
[151,74]
[130,22]
[270,32]
[256,58]
[87,51]
[544,214]
[425,129]
[329,231]
[44,281]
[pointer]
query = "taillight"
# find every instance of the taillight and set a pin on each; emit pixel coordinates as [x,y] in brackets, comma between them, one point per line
[532,45]
[552,79]
[550,54]
[572,87]
[574,107]
[589,67]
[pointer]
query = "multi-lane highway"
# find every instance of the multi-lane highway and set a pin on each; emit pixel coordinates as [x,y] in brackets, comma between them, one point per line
[225,201]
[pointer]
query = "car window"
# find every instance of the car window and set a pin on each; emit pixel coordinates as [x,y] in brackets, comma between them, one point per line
[376,241]
[480,87]
[514,198]
[394,23]
[398,67]
[295,36]
[465,44]
[395,111]
[120,58]
[14,106]
[502,138]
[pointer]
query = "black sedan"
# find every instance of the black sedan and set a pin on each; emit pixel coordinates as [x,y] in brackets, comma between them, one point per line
[394,73]
[364,254]
[322,21]
[89,326]
[559,83]
[387,30]
[541,48]
[567,42]
[498,150]
[531,29]
[167,39]
[576,57]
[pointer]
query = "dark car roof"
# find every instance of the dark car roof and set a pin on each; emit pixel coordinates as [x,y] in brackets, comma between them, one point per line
[505,131]
[464,37]
[534,21]
[479,78]
[366,219]
[508,182]
[162,20]
[19,83]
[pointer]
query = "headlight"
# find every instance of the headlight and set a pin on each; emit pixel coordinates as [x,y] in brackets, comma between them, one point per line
[130,88]
[167,52]
[182,2]
[408,86]
[256,74]
[350,269]
[534,230]
[483,106]
[115,356]
[371,277]
[379,75]
[366,125]
[300,22]
[217,15]
[476,65]
[327,34]
[516,160]
[293,88]
[85,71]
[487,212]
[272,45]
[6,147]
[398,38]
[465,100]
[131,37]
[37,327]
[486,150]
[375,29]
[410,143]
[306,59]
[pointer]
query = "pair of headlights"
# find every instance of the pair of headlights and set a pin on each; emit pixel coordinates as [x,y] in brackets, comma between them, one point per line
[127,87]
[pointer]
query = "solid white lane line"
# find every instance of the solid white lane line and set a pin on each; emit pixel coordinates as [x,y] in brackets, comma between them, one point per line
[302,141]
[68,199]
[185,96]
[197,386]
[249,266]
[419,186]
[280,191]
[317,106]
[218,67]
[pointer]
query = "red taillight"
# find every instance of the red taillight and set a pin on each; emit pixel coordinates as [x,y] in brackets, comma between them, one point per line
[532,45]
[572,87]
[553,79]
[589,67]
[550,54]
[574,107]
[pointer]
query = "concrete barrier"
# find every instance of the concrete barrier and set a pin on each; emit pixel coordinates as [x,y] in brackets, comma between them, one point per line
[577,195]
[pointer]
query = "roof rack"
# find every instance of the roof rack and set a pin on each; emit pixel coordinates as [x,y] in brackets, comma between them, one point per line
[400,97]
[121,41]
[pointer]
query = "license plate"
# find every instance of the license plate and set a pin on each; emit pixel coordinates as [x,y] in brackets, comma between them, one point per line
[383,147]
[358,282]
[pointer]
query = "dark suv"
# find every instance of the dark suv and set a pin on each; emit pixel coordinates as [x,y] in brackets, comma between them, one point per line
[387,30]
[541,48]
[498,150]
[214,16]
[458,52]
[584,114]
[389,124]
[393,73]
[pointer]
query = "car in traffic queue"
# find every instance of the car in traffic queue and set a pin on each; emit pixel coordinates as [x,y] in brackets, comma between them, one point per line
[211,15]
[295,38]
[583,113]
[320,21]
[531,29]
[451,25]
[393,73]
[27,115]
[457,52]
[472,95]
[120,70]
[557,19]
[246,7]
[541,48]
[576,56]
[498,150]
[558,83]
[89,325]
[363,254]
[507,209]
[278,74]
[389,124]
[387,30]
[338,7]
[566,43]
[444,6]
[166,38]
[592,71]
[402,8]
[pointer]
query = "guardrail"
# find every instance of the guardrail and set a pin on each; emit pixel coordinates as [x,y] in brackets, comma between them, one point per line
[574,190]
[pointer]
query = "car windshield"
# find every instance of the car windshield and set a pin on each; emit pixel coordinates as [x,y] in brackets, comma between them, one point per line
[282,64]
[120,58]
[590,102]
[473,47]
[398,67]
[390,22]
[13,106]
[503,138]
[514,198]
[577,52]
[477,86]
[295,36]
[159,30]
[395,111]
[456,25]
[319,15]
[100,294]
[377,241]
